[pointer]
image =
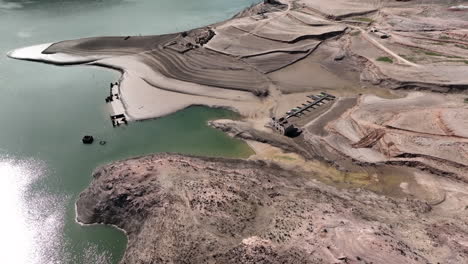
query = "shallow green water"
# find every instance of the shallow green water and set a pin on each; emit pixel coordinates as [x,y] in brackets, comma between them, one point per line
[45,110]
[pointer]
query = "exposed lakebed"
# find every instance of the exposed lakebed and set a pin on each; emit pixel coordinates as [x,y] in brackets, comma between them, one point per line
[46,110]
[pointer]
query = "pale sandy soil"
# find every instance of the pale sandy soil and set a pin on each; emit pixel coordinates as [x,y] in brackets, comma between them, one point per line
[142,100]
[34,53]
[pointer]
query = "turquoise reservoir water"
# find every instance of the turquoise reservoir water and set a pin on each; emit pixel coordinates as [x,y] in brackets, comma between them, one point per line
[45,110]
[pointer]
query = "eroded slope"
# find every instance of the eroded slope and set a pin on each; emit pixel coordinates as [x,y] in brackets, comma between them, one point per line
[183,209]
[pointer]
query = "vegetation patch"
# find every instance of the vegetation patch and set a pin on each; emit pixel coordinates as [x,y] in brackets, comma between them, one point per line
[432,53]
[385,59]
[463,61]
[461,46]
[284,157]
[355,33]
[437,54]
[364,19]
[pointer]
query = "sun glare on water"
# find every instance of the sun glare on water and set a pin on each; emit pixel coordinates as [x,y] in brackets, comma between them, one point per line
[26,226]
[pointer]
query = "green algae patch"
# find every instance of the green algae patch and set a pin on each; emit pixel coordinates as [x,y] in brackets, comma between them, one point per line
[385,59]
[364,19]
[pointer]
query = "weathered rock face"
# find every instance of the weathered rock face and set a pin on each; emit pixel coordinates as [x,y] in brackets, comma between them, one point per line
[179,209]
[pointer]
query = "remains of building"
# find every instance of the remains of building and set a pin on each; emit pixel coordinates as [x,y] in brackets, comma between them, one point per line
[284,127]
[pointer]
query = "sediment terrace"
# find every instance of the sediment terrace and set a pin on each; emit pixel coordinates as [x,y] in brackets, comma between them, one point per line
[254,52]
[422,130]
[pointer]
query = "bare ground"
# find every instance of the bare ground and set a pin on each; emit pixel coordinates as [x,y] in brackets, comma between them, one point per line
[179,209]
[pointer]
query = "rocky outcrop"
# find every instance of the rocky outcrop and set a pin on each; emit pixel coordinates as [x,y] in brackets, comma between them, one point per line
[180,209]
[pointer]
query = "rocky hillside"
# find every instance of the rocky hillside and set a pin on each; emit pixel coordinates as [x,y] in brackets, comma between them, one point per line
[180,209]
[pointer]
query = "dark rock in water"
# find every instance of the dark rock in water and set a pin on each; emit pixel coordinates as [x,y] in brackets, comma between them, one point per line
[272,2]
[87,139]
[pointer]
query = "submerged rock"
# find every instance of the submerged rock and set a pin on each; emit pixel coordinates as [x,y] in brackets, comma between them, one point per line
[87,139]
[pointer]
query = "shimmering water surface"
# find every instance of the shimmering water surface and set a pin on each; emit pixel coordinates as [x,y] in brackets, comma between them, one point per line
[45,110]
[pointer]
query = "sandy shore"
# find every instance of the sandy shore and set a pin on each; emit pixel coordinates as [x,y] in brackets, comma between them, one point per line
[252,62]
[36,53]
[146,94]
